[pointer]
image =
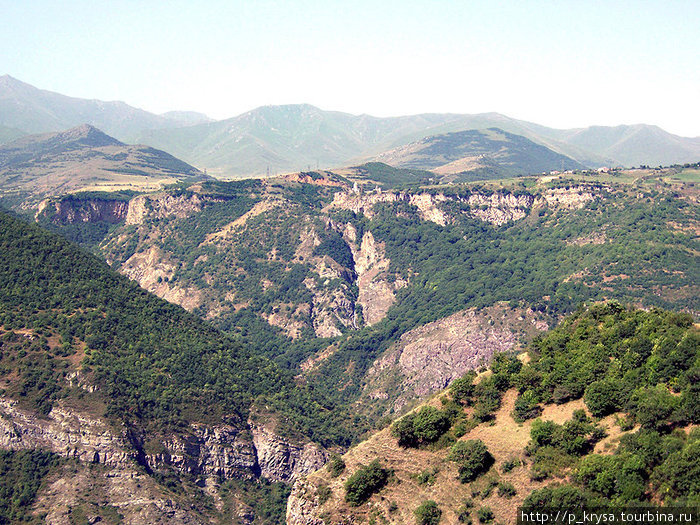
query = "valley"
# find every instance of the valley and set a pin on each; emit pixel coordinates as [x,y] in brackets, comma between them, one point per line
[178,348]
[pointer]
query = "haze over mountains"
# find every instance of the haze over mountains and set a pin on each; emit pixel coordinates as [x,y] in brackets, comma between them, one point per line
[294,137]
[83,157]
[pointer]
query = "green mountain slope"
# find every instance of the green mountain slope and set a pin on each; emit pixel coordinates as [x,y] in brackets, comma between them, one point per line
[635,145]
[491,152]
[602,414]
[154,364]
[327,280]
[32,110]
[296,137]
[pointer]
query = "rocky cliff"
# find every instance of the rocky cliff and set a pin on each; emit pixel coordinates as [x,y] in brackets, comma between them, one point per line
[211,452]
[428,358]
[493,207]
[206,454]
[74,210]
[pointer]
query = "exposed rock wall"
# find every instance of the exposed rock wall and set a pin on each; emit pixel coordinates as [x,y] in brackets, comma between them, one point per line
[71,211]
[302,505]
[499,208]
[426,359]
[163,205]
[376,294]
[363,203]
[281,460]
[64,432]
[211,452]
[496,208]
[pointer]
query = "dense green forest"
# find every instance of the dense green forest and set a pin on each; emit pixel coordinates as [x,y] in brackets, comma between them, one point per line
[22,473]
[157,366]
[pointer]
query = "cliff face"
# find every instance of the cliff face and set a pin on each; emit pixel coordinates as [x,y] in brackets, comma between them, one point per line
[209,451]
[279,459]
[425,360]
[162,205]
[493,207]
[70,211]
[113,211]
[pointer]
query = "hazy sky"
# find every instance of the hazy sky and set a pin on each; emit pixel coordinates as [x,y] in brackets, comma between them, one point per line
[559,63]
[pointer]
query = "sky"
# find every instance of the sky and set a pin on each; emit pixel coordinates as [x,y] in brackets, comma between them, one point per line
[560,63]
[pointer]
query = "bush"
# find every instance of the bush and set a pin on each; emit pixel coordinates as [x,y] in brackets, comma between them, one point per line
[556,497]
[526,406]
[336,466]
[462,389]
[428,513]
[509,465]
[425,426]
[472,457]
[506,490]
[603,397]
[324,493]
[485,515]
[464,512]
[427,477]
[365,482]
[653,407]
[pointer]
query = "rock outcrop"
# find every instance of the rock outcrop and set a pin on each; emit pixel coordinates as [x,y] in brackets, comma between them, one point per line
[302,505]
[208,452]
[161,205]
[281,460]
[64,432]
[71,211]
[363,203]
[494,207]
[426,359]
[376,294]
[152,270]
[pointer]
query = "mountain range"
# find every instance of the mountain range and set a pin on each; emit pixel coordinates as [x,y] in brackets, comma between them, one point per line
[299,136]
[83,157]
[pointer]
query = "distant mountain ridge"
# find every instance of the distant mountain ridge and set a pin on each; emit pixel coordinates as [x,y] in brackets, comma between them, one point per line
[53,163]
[32,110]
[492,150]
[300,136]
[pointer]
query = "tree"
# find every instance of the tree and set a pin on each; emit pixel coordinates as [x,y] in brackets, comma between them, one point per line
[428,513]
[472,457]
[365,482]
[424,426]
[603,397]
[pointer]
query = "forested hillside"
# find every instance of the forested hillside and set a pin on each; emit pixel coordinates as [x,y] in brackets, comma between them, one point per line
[289,265]
[601,412]
[332,297]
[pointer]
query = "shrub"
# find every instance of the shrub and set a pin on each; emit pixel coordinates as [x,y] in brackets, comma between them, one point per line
[603,397]
[485,515]
[472,457]
[464,512]
[324,493]
[653,407]
[509,465]
[506,490]
[336,466]
[526,406]
[462,389]
[425,426]
[427,477]
[365,482]
[428,513]
[562,496]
